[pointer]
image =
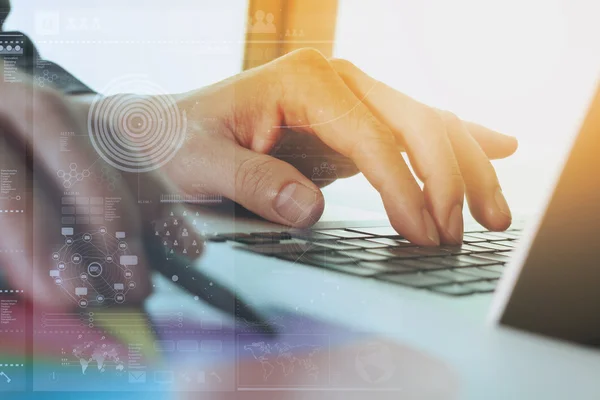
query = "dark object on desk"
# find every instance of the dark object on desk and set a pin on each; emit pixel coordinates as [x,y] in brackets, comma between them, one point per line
[169,263]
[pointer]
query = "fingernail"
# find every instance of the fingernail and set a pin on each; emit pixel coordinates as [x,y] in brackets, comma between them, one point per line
[502,204]
[430,227]
[456,224]
[298,204]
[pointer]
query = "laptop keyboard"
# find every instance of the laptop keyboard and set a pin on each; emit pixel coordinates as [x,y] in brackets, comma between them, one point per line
[380,253]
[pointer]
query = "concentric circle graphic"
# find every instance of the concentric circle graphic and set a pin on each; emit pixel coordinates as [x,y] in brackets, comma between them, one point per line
[86,275]
[135,126]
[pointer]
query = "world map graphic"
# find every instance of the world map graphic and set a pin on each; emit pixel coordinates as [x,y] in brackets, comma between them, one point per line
[101,354]
[287,357]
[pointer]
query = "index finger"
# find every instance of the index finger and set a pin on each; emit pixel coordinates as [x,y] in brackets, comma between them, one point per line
[326,107]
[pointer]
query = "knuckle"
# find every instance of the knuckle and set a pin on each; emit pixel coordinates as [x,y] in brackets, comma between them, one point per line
[342,65]
[456,179]
[309,54]
[253,175]
[454,172]
[455,127]
[295,68]
[451,121]
[433,121]
[451,118]
[444,164]
[312,59]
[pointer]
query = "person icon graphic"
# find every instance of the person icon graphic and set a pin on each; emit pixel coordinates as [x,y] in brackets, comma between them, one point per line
[270,26]
[259,23]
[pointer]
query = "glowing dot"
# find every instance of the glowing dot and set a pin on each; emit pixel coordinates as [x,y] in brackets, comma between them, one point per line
[175,278]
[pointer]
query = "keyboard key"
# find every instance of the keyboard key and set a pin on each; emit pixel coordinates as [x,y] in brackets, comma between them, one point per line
[343,234]
[500,257]
[406,252]
[475,248]
[512,235]
[456,276]
[364,255]
[481,273]
[307,234]
[457,250]
[467,238]
[353,269]
[330,258]
[419,280]
[496,268]
[293,257]
[394,252]
[387,231]
[452,290]
[429,251]
[487,236]
[423,264]
[362,243]
[335,245]
[462,261]
[382,266]
[508,243]
[316,258]
[482,286]
[331,263]
[392,242]
[494,246]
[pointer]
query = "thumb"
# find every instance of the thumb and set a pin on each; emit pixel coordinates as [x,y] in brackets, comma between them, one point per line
[269,187]
[272,189]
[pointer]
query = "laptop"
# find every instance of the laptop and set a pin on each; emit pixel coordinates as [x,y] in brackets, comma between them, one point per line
[544,277]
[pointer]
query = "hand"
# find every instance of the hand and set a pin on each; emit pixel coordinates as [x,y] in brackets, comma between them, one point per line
[238,124]
[40,251]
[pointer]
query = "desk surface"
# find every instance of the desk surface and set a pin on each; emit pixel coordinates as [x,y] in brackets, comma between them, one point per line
[484,360]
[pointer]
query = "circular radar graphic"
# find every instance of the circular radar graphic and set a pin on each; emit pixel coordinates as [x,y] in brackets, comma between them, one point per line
[94,268]
[136,132]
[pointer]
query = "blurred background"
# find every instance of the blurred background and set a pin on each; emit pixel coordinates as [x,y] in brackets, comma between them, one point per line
[524,67]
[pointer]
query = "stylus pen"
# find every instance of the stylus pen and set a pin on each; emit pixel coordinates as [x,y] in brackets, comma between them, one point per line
[193,282]
[199,284]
